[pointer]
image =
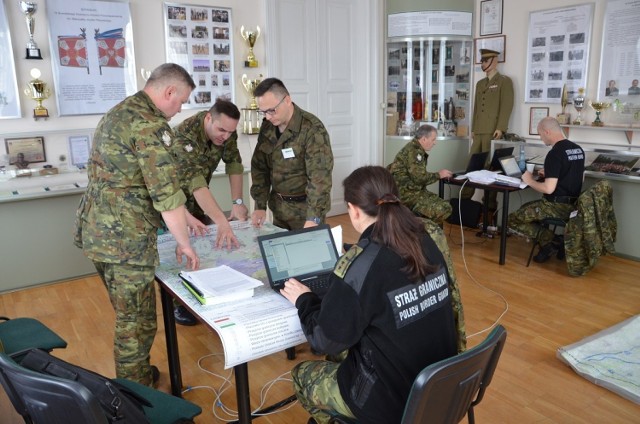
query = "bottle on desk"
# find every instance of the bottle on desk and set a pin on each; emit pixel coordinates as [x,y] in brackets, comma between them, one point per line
[522,161]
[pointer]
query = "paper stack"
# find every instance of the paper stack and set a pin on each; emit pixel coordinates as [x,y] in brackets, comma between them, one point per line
[221,284]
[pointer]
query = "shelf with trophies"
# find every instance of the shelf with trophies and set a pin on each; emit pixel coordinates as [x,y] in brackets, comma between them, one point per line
[428,82]
[579,103]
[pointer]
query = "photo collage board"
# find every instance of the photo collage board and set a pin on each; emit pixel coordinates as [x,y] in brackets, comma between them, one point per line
[200,38]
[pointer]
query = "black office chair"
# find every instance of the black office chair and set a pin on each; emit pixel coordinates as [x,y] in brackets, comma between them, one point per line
[42,398]
[19,334]
[444,392]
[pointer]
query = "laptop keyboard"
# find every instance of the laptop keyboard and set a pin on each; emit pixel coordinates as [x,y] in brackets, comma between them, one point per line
[319,285]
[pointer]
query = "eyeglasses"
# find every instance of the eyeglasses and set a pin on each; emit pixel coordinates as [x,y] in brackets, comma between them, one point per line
[272,111]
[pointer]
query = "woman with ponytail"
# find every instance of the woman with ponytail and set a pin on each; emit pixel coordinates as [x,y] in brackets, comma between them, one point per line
[393,308]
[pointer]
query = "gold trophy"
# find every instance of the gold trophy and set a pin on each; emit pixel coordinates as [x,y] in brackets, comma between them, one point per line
[250,37]
[37,90]
[250,85]
[29,9]
[598,107]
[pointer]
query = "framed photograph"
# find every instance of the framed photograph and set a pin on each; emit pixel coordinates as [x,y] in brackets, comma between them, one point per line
[536,114]
[490,17]
[497,43]
[434,76]
[29,149]
[79,150]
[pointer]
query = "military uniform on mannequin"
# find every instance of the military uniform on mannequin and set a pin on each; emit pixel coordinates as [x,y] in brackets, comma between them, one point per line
[492,108]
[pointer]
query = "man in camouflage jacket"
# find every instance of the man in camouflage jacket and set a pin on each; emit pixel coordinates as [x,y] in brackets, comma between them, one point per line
[409,170]
[292,163]
[133,186]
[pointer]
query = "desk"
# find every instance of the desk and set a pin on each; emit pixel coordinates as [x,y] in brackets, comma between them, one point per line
[251,328]
[504,189]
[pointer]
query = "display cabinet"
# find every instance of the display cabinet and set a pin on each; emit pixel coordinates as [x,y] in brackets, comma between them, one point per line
[428,81]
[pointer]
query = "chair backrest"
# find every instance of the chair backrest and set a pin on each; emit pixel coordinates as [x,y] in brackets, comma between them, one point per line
[40,398]
[444,392]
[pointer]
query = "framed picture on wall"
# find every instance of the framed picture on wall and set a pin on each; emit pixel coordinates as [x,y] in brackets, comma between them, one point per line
[536,114]
[497,43]
[490,17]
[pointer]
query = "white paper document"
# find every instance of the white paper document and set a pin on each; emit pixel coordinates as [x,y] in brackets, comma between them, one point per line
[249,328]
[220,280]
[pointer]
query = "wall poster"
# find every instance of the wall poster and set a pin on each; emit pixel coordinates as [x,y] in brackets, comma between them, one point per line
[91,55]
[200,38]
[9,98]
[620,61]
[557,52]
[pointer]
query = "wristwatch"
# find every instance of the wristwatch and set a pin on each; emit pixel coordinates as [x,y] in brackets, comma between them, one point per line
[237,201]
[315,219]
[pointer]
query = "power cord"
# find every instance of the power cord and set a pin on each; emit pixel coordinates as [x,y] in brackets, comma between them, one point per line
[464,260]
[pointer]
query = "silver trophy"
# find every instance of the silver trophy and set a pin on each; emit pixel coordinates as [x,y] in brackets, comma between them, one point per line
[29,9]
[578,104]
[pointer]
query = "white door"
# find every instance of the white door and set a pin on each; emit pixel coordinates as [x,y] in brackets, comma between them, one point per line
[328,54]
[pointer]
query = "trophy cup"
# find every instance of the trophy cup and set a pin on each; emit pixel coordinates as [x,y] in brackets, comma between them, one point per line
[598,107]
[37,90]
[578,103]
[29,9]
[250,37]
[250,85]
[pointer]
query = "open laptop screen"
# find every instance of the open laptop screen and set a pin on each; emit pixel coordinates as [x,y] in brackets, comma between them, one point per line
[510,166]
[298,253]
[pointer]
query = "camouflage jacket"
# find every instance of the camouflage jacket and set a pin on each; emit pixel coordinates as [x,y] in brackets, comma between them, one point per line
[132,178]
[409,170]
[197,157]
[308,171]
[592,232]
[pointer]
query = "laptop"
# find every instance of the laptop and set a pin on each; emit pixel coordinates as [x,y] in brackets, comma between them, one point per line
[497,154]
[476,163]
[308,255]
[510,167]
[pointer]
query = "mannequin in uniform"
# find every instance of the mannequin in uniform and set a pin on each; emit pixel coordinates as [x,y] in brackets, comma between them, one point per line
[492,108]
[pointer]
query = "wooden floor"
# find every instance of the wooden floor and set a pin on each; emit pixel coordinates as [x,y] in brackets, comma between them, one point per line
[546,309]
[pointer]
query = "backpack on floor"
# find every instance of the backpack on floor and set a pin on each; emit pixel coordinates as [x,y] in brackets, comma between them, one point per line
[119,404]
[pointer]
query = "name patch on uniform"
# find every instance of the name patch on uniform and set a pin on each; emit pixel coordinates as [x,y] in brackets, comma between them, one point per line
[415,301]
[288,153]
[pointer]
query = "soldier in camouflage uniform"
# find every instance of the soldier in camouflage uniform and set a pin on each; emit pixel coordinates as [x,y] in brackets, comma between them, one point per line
[393,308]
[292,162]
[133,186]
[491,111]
[201,141]
[409,170]
[563,174]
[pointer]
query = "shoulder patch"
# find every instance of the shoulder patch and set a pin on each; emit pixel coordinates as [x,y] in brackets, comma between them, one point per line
[346,260]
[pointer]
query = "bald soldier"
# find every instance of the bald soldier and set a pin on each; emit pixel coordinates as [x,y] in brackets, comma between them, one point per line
[133,186]
[409,170]
[292,162]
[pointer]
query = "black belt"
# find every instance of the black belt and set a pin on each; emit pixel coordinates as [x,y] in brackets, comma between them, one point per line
[561,199]
[292,197]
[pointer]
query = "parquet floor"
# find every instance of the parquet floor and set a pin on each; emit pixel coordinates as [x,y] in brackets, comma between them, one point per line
[541,306]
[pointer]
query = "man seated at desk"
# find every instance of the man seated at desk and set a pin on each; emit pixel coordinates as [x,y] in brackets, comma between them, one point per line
[563,173]
[409,170]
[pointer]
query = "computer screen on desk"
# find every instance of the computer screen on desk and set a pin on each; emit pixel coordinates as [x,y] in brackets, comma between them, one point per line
[510,167]
[497,154]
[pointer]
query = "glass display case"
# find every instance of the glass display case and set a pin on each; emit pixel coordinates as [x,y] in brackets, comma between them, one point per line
[428,81]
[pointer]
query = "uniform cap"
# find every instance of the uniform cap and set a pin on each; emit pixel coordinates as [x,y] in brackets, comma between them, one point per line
[488,53]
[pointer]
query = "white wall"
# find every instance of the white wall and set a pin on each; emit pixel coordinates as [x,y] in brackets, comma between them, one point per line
[148,32]
[515,27]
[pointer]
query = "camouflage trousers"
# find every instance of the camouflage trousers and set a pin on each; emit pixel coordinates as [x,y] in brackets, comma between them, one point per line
[288,215]
[524,219]
[132,294]
[430,206]
[316,387]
